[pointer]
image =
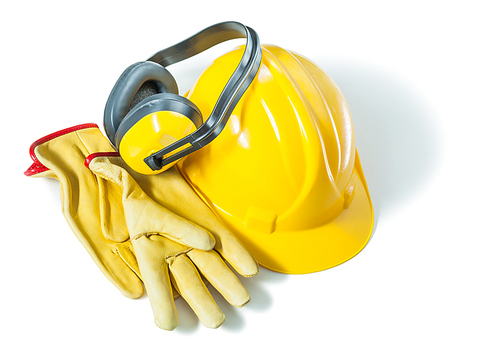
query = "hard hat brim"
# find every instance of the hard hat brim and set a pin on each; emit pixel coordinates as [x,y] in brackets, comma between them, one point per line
[314,249]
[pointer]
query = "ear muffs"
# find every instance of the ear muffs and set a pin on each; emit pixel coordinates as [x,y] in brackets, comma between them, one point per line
[151,125]
[144,113]
[126,89]
[161,102]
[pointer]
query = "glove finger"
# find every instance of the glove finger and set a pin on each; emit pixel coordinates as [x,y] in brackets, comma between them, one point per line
[213,268]
[187,202]
[170,225]
[126,252]
[188,282]
[110,263]
[156,279]
[230,248]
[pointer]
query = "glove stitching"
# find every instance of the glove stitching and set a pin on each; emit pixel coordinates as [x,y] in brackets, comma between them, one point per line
[145,234]
[169,237]
[179,253]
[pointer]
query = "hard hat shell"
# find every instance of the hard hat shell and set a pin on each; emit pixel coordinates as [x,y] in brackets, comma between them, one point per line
[284,175]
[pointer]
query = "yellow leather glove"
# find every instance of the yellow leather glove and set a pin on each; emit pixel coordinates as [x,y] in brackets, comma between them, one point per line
[162,261]
[61,155]
[95,212]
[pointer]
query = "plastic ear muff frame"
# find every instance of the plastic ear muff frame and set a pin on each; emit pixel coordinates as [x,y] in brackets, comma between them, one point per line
[151,125]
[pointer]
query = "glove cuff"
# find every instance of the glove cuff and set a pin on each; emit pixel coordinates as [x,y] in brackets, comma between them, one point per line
[94,142]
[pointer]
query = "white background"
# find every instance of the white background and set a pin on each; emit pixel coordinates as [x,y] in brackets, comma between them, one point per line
[422,82]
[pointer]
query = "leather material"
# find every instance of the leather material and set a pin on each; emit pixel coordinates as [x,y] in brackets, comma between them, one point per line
[61,155]
[158,230]
[139,227]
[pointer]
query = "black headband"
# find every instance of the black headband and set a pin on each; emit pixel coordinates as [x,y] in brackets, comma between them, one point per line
[238,83]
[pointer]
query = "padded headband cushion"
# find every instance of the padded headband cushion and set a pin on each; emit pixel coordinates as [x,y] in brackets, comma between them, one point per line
[143,77]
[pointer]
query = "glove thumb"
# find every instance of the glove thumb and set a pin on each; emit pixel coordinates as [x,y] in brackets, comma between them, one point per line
[143,215]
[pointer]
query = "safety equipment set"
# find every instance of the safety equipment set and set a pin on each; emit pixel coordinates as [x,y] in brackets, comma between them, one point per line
[255,164]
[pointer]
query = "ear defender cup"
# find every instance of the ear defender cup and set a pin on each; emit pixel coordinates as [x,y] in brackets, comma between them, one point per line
[144,114]
[126,88]
[151,125]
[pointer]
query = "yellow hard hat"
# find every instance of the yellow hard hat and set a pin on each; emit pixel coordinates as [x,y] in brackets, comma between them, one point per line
[284,174]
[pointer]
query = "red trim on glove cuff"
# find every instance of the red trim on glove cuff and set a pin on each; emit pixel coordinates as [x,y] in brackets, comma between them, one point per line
[92,156]
[37,166]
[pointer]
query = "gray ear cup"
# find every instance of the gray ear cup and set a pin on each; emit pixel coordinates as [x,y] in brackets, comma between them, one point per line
[137,83]
[157,103]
